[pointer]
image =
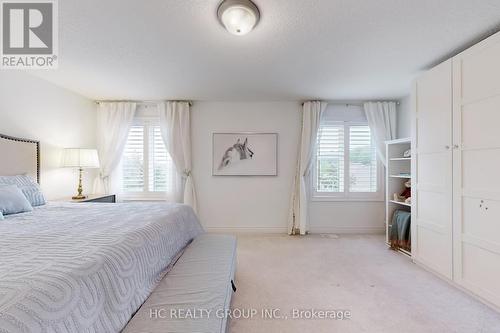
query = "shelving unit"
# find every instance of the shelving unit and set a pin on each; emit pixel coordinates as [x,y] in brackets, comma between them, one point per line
[398,172]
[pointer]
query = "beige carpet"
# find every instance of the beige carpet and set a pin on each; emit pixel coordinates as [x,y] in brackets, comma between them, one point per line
[382,289]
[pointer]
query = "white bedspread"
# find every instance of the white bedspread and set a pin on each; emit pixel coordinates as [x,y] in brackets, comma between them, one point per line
[86,267]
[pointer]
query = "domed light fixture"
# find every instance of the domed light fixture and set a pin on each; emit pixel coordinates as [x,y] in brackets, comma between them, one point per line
[239,17]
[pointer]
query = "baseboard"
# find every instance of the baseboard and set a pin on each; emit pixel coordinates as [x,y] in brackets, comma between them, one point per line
[247,230]
[346,230]
[284,230]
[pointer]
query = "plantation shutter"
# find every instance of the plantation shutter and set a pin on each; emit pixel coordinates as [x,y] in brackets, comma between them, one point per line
[146,164]
[362,160]
[133,161]
[330,158]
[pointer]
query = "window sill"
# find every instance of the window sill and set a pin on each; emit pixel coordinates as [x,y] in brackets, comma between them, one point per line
[144,197]
[344,199]
[127,199]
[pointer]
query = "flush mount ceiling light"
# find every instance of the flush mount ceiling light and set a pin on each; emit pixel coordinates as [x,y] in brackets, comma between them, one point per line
[239,17]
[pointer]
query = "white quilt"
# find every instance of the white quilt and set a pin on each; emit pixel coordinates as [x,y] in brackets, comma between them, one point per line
[86,267]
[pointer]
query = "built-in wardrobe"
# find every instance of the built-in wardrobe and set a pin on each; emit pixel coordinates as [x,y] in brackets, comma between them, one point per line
[456,163]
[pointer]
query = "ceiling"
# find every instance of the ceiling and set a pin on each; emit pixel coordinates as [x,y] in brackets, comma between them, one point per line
[301,49]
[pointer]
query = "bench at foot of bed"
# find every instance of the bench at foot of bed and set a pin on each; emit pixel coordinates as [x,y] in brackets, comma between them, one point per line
[195,295]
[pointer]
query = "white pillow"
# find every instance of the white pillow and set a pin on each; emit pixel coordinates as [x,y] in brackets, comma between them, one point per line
[13,201]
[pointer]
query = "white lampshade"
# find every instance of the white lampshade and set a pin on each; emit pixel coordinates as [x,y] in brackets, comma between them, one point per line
[80,158]
[239,17]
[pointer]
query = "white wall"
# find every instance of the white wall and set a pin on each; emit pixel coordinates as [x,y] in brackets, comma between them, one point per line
[240,204]
[347,217]
[404,118]
[261,204]
[35,109]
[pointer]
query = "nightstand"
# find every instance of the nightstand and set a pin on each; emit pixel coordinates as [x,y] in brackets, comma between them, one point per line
[108,198]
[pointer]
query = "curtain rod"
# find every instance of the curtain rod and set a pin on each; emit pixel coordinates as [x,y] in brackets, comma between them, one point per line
[141,101]
[352,104]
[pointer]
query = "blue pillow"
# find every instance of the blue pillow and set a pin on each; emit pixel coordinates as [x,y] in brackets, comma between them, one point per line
[28,186]
[13,201]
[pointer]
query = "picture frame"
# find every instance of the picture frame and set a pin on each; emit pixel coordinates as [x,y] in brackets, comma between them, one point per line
[244,154]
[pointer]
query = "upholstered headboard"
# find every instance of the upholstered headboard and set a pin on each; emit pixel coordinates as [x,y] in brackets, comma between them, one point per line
[19,156]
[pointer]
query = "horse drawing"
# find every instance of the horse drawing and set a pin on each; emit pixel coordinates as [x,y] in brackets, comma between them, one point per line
[238,151]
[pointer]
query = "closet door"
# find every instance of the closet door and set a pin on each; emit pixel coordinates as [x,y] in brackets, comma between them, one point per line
[432,183]
[477,169]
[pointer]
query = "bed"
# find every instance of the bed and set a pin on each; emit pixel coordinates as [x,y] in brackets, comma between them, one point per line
[82,267]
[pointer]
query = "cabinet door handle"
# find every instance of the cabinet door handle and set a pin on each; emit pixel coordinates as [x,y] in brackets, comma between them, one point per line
[447,147]
[455,146]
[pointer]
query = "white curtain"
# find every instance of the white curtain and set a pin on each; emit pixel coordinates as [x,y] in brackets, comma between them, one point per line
[113,124]
[311,117]
[381,117]
[175,128]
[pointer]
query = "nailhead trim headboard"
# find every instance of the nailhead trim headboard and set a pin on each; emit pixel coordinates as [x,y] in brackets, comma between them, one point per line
[15,158]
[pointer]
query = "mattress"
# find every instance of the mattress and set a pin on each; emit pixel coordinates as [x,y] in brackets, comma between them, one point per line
[86,267]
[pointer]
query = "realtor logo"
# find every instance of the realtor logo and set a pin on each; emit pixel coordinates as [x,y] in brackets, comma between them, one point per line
[29,34]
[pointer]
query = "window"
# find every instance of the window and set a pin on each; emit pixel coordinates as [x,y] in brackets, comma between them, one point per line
[147,169]
[346,163]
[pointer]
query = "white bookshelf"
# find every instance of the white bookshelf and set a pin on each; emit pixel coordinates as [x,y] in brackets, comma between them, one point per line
[398,172]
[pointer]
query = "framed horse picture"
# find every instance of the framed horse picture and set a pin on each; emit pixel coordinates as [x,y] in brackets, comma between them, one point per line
[245,154]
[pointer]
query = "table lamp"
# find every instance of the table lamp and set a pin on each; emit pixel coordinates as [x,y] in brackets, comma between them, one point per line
[82,159]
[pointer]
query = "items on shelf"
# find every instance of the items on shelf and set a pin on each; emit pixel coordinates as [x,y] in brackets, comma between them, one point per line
[404,196]
[407,153]
[400,230]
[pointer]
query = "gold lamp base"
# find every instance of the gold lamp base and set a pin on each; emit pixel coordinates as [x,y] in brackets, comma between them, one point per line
[80,196]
